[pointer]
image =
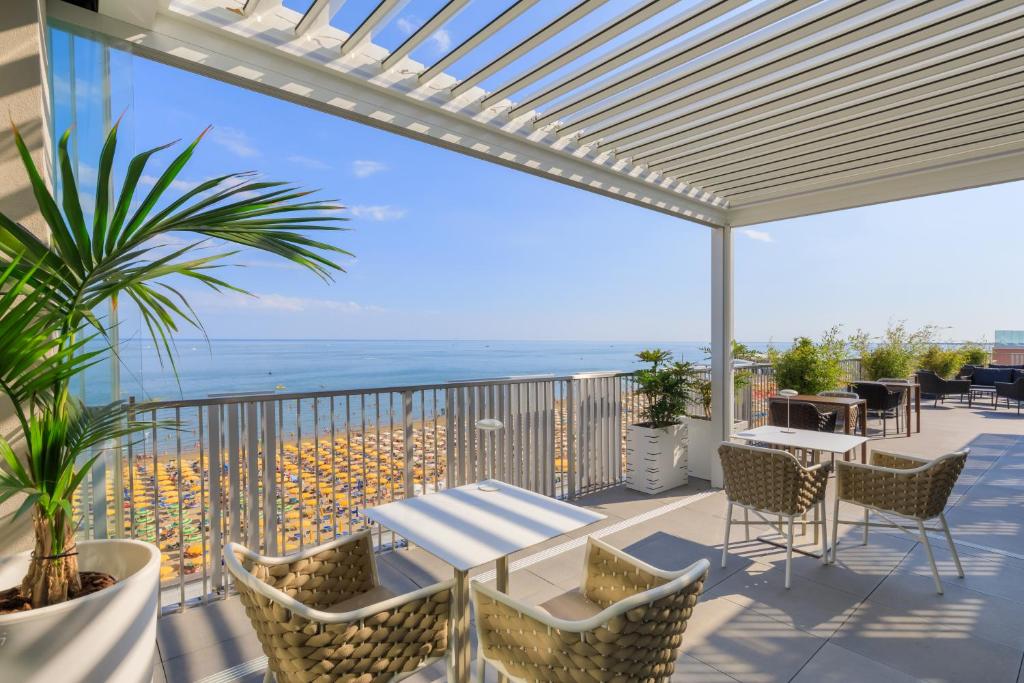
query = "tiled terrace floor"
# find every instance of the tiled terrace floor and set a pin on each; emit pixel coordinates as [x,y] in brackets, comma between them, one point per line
[873,617]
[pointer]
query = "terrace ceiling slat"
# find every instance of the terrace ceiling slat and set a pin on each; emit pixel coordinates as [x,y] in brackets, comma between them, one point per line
[465,47]
[876,55]
[253,7]
[995,145]
[816,39]
[380,14]
[866,130]
[963,54]
[994,124]
[728,31]
[602,35]
[917,129]
[722,146]
[440,18]
[577,13]
[313,13]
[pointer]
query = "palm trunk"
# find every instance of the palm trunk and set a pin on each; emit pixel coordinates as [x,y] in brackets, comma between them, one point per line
[53,571]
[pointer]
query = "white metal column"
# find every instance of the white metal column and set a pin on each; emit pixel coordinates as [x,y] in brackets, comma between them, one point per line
[722,400]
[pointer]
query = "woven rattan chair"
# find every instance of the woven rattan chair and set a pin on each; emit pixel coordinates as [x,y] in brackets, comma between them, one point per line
[901,485]
[800,415]
[767,481]
[882,401]
[625,624]
[321,615]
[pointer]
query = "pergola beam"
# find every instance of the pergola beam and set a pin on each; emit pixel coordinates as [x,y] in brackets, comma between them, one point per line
[239,54]
[429,28]
[379,16]
[602,35]
[577,13]
[501,21]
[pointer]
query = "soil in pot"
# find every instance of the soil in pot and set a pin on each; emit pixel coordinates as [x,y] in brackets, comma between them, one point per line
[12,600]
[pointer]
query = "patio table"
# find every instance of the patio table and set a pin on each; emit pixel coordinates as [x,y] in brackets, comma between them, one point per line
[473,525]
[808,440]
[847,405]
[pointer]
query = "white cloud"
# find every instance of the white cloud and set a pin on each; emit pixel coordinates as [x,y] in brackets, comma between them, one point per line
[405,25]
[309,162]
[364,168]
[442,40]
[234,140]
[758,235]
[178,184]
[380,212]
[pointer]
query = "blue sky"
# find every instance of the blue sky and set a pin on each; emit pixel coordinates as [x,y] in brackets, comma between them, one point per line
[453,247]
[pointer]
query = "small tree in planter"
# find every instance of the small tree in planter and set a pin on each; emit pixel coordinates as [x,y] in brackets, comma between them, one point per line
[656,446]
[943,362]
[975,354]
[896,354]
[808,366]
[49,296]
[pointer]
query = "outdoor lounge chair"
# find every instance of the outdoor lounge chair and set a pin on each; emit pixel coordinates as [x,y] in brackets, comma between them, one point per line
[940,388]
[882,401]
[767,481]
[625,623]
[1011,391]
[322,614]
[901,485]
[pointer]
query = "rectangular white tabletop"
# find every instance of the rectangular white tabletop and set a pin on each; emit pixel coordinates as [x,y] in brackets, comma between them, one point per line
[803,438]
[469,526]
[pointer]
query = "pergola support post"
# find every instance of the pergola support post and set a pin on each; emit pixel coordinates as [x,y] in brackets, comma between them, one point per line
[722,399]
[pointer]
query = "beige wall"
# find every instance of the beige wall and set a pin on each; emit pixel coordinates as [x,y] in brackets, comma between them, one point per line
[24,99]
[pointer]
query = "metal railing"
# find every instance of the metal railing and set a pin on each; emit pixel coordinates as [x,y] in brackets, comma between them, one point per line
[278,472]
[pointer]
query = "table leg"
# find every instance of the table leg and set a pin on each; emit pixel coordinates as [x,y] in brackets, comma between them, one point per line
[909,401]
[862,413]
[459,661]
[846,420]
[917,402]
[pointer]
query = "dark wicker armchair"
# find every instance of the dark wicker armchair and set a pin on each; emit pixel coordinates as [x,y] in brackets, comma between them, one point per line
[1011,391]
[801,415]
[881,400]
[934,385]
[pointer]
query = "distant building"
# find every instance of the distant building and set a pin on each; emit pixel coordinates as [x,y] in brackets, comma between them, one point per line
[1008,348]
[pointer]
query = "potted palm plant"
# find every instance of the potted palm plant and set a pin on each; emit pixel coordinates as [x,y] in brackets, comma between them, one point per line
[656,446]
[86,611]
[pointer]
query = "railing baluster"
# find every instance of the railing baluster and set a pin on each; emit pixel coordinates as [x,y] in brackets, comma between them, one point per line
[216,546]
[252,425]
[270,497]
[408,447]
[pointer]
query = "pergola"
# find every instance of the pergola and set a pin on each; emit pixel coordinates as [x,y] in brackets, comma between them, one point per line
[727,113]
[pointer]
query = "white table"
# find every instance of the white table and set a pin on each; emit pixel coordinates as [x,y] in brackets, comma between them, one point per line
[807,440]
[469,526]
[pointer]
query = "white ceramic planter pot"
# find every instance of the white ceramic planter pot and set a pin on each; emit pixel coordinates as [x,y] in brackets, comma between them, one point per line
[106,637]
[656,457]
[702,453]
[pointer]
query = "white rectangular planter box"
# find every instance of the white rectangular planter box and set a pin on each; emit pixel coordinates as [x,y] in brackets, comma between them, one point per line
[702,449]
[656,458]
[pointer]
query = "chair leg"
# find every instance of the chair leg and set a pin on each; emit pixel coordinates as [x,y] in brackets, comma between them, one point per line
[728,528]
[824,533]
[866,517]
[789,551]
[952,546]
[481,668]
[835,530]
[746,522]
[268,677]
[931,557]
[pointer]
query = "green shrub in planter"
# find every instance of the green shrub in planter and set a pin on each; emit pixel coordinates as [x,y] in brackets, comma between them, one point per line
[943,362]
[896,354]
[974,353]
[809,366]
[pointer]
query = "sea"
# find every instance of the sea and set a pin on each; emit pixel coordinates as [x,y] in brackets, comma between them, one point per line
[218,366]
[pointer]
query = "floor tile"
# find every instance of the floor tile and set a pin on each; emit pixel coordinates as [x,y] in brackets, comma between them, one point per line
[834,664]
[198,628]
[211,659]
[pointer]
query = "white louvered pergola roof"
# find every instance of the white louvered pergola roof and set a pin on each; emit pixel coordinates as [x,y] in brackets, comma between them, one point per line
[725,112]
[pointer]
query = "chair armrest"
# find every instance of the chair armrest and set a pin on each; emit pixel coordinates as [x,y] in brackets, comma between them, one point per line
[914,488]
[610,575]
[289,607]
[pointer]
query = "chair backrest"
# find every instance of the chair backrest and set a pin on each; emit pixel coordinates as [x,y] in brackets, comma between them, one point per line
[838,394]
[877,395]
[770,479]
[922,493]
[930,382]
[801,415]
[989,376]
